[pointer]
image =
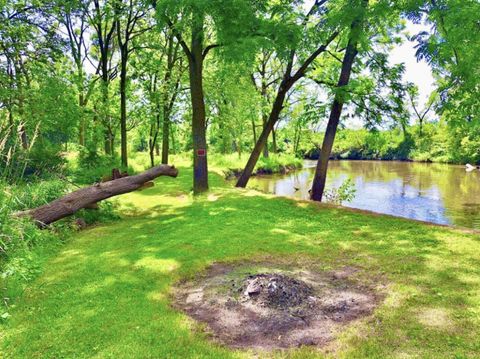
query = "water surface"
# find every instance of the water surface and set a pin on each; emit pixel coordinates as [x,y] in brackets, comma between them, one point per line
[438,193]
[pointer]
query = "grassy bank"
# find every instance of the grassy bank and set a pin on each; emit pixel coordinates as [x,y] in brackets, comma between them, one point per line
[232,165]
[106,293]
[24,248]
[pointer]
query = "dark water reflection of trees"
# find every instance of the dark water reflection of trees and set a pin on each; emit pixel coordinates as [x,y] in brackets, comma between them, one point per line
[438,193]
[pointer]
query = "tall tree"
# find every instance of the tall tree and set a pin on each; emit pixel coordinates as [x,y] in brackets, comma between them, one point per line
[264,78]
[420,113]
[196,53]
[73,15]
[101,17]
[128,24]
[209,24]
[452,51]
[351,52]
[170,89]
[289,78]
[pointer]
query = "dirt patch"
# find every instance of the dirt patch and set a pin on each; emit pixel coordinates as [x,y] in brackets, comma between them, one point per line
[270,308]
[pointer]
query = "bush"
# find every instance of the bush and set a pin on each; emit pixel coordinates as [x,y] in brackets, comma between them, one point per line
[344,193]
[19,238]
[106,212]
[43,159]
[278,164]
[91,167]
[232,164]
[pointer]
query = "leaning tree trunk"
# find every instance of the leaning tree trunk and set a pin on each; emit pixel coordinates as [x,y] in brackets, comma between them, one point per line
[89,196]
[262,140]
[318,186]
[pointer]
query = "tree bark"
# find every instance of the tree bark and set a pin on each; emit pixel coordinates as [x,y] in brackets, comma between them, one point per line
[166,135]
[262,140]
[123,108]
[167,101]
[89,196]
[200,167]
[351,52]
[82,124]
[274,141]
[23,136]
[287,82]
[265,148]
[108,142]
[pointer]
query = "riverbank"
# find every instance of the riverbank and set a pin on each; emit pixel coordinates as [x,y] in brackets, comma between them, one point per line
[231,166]
[433,143]
[107,291]
[433,192]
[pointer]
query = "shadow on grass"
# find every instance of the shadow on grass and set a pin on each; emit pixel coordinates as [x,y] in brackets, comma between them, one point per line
[107,293]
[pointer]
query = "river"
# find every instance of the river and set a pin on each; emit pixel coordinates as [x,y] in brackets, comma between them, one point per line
[437,193]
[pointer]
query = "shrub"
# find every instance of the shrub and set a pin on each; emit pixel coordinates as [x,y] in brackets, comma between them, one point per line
[19,261]
[344,193]
[232,164]
[91,167]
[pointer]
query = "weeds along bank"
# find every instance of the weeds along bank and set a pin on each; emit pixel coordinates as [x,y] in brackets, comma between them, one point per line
[231,166]
[23,246]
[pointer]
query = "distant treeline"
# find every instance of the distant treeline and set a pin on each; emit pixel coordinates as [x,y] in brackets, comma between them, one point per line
[433,143]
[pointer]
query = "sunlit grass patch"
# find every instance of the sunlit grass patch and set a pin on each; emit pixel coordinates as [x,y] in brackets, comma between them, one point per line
[107,292]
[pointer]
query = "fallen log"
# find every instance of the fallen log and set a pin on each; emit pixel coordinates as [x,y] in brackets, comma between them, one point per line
[89,196]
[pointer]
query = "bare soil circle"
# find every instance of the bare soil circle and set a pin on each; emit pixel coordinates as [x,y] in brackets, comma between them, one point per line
[270,308]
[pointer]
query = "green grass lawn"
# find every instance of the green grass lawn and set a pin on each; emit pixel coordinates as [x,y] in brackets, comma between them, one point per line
[105,294]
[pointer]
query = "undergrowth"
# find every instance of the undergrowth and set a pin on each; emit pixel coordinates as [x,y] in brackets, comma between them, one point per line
[23,245]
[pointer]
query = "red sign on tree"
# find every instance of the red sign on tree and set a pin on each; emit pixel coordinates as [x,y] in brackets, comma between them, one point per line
[201,152]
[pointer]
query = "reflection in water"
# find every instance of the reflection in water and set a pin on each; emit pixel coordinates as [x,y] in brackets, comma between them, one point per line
[436,193]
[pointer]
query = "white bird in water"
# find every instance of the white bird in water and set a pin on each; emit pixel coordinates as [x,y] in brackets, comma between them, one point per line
[470,168]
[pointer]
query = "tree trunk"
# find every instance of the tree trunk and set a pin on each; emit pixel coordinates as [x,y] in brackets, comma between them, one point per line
[123,109]
[274,115]
[265,148]
[172,140]
[200,167]
[154,126]
[23,136]
[319,180]
[166,134]
[274,141]
[287,82]
[82,125]
[168,102]
[107,142]
[151,151]
[89,196]
[296,139]
[151,145]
